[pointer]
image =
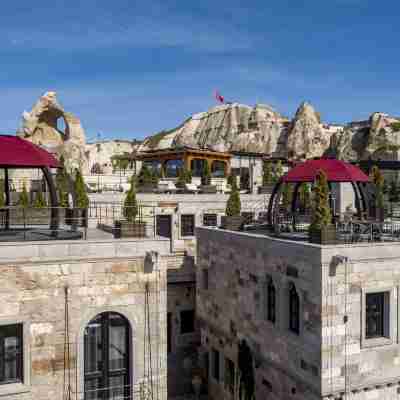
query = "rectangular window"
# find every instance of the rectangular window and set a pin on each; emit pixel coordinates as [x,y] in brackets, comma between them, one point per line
[205,279]
[11,354]
[377,315]
[215,364]
[187,321]
[229,377]
[210,219]
[187,225]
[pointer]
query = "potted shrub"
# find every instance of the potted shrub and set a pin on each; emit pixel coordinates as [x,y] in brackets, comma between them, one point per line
[81,201]
[147,180]
[130,227]
[304,196]
[278,171]
[232,219]
[62,188]
[40,213]
[184,177]
[379,182]
[206,186]
[321,230]
[2,194]
[267,179]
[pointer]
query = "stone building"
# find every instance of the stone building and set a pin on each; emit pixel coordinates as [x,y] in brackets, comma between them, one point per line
[321,322]
[83,319]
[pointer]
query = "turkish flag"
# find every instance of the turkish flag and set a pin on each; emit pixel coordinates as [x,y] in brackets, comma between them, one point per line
[219,97]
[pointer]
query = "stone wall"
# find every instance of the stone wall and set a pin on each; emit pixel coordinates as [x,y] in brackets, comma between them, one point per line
[233,307]
[36,288]
[368,368]
[331,358]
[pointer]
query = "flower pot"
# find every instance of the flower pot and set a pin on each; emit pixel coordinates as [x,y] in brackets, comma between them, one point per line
[233,223]
[325,235]
[129,229]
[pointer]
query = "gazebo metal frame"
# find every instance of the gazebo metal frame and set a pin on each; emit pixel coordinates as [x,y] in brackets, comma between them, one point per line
[306,173]
[36,158]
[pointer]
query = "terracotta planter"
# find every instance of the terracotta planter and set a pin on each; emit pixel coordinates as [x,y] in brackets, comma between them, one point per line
[129,229]
[326,235]
[232,223]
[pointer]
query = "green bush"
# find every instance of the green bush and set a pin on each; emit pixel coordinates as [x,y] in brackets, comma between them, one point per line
[2,194]
[206,174]
[321,211]
[304,195]
[287,195]
[267,177]
[379,182]
[184,177]
[40,201]
[395,126]
[233,205]
[130,203]
[23,197]
[62,185]
[278,171]
[82,199]
[145,176]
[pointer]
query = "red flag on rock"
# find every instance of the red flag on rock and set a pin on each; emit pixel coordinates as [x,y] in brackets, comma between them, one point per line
[219,97]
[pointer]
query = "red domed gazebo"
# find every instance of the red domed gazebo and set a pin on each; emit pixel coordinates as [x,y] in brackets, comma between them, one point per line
[335,170]
[19,153]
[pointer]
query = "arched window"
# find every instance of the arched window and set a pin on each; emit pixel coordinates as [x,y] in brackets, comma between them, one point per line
[271,305]
[294,310]
[107,349]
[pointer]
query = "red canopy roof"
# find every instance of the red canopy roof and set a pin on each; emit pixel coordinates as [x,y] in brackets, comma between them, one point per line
[335,170]
[17,152]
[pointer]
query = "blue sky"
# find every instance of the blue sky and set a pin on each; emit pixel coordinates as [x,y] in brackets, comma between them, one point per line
[130,68]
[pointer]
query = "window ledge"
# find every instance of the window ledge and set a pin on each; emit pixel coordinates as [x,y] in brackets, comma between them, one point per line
[13,388]
[376,342]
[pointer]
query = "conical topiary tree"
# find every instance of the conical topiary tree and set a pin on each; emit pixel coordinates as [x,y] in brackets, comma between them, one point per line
[145,176]
[267,178]
[322,216]
[304,195]
[2,194]
[130,203]
[206,174]
[23,200]
[62,184]
[40,201]
[278,171]
[379,182]
[287,195]
[233,205]
[82,199]
[184,176]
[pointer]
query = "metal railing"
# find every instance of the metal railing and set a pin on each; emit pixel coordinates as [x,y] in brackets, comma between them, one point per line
[353,231]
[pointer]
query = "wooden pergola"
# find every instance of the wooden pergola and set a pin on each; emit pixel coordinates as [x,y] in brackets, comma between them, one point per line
[186,155]
[17,153]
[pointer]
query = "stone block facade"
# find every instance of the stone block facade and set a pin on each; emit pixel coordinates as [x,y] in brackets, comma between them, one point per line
[55,294]
[333,355]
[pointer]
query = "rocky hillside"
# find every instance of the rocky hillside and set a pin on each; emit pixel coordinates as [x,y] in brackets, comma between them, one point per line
[261,129]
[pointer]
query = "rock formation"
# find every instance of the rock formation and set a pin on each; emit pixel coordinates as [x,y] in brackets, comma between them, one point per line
[306,136]
[230,127]
[41,126]
[260,129]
